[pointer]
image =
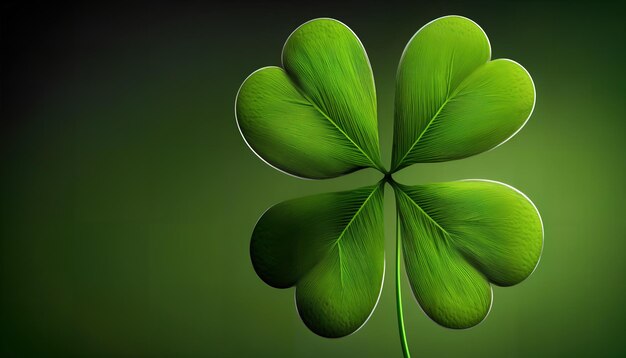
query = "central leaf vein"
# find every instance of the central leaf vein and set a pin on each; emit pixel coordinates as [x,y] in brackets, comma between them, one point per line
[424,130]
[338,241]
[356,214]
[449,96]
[377,166]
[425,213]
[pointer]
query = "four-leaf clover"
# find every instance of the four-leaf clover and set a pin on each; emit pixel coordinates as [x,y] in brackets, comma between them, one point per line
[315,117]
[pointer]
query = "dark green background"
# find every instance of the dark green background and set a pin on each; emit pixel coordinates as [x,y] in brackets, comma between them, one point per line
[128,196]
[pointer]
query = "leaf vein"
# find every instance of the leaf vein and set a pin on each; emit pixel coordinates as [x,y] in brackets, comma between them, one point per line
[426,214]
[449,97]
[356,214]
[377,166]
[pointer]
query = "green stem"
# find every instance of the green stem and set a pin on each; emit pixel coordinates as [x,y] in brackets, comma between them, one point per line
[405,346]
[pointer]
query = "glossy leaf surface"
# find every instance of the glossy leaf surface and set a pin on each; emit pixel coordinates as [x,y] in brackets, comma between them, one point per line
[316,118]
[451,101]
[331,247]
[460,236]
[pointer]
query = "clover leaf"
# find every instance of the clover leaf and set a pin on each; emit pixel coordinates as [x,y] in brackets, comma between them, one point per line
[331,247]
[316,118]
[459,236]
[451,101]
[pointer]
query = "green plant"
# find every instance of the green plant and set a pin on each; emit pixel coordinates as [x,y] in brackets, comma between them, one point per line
[316,118]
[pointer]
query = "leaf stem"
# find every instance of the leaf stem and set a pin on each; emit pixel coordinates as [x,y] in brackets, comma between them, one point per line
[405,346]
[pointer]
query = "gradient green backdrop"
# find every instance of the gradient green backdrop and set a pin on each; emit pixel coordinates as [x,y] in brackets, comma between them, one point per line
[128,196]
